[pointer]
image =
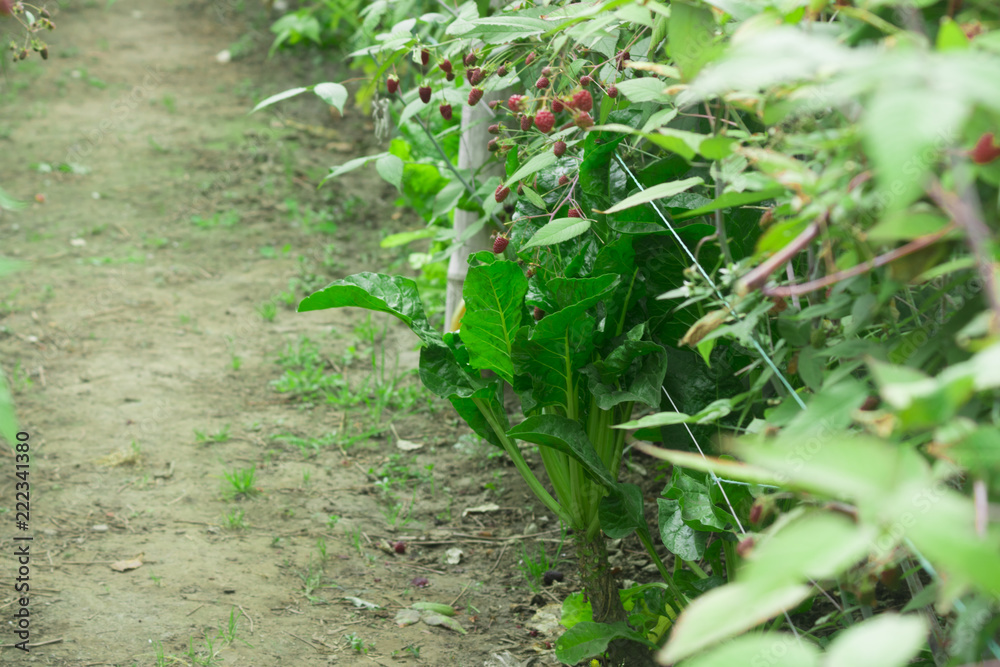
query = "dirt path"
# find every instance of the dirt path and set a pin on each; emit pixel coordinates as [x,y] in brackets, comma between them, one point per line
[169,232]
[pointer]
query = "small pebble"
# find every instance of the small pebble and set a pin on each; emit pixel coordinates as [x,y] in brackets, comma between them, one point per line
[100,528]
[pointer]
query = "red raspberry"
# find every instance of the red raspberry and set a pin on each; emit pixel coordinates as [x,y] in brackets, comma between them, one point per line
[612,91]
[546,71]
[530,59]
[425,94]
[502,72]
[538,313]
[544,121]
[557,105]
[492,146]
[542,83]
[500,244]
[526,122]
[586,80]
[445,65]
[575,213]
[515,102]
[475,95]
[583,100]
[445,110]
[494,128]
[621,58]
[584,121]
[392,85]
[559,148]
[425,57]
[501,193]
[986,149]
[474,75]
[563,180]
[469,60]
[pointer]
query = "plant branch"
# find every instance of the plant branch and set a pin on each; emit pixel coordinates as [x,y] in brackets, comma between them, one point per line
[834,278]
[760,274]
[977,237]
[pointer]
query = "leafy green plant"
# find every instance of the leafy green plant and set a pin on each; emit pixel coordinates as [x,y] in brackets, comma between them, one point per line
[242,482]
[535,568]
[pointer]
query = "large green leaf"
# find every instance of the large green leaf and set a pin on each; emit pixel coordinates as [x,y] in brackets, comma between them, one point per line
[727,611]
[634,371]
[656,192]
[692,41]
[621,513]
[549,357]
[678,537]
[395,295]
[888,640]
[587,639]
[494,303]
[775,649]
[557,231]
[567,436]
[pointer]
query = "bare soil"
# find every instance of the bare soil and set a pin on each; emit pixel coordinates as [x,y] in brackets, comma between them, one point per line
[166,231]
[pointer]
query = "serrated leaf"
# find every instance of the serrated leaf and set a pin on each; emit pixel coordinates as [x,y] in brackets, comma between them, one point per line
[333,94]
[532,166]
[557,231]
[656,192]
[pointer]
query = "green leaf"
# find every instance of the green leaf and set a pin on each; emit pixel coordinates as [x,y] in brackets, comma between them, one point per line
[906,226]
[567,436]
[656,192]
[8,418]
[951,37]
[8,203]
[557,231]
[547,359]
[633,372]
[649,89]
[777,649]
[390,168]
[404,238]
[576,609]
[494,302]
[904,153]
[533,196]
[395,295]
[351,165]
[887,640]
[532,166]
[621,513]
[692,42]
[499,29]
[292,92]
[727,611]
[730,200]
[678,537]
[587,639]
[333,94]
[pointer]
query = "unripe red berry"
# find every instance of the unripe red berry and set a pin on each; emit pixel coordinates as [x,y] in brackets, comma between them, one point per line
[445,65]
[544,121]
[494,128]
[530,59]
[526,121]
[557,105]
[450,76]
[546,71]
[745,547]
[542,83]
[501,193]
[586,80]
[475,95]
[583,100]
[584,121]
[559,148]
[474,75]
[425,57]
[392,85]
[492,146]
[986,149]
[494,104]
[502,72]
[445,110]
[756,513]
[500,243]
[575,213]
[469,60]
[530,272]
[563,180]
[425,94]
[612,91]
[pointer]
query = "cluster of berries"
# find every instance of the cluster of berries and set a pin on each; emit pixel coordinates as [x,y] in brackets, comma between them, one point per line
[32,24]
